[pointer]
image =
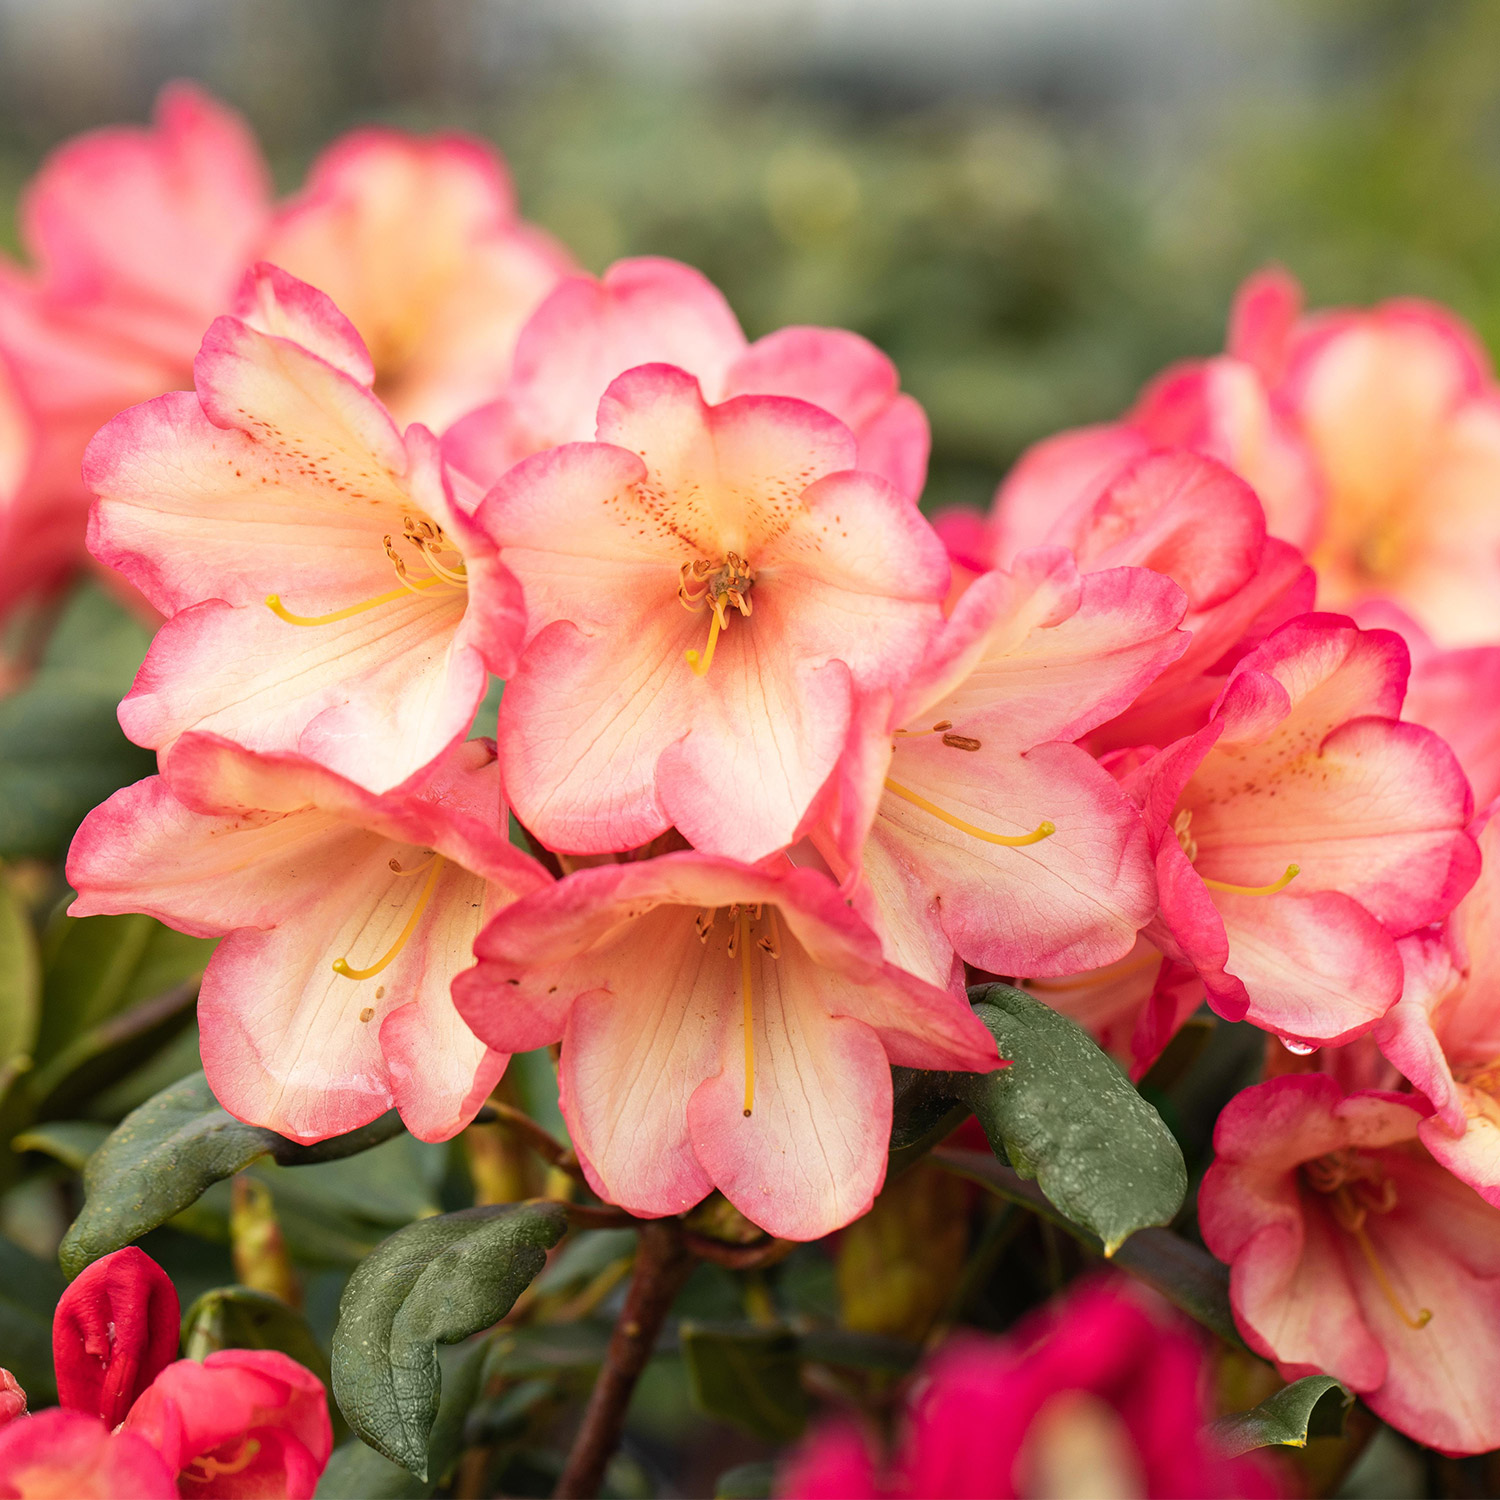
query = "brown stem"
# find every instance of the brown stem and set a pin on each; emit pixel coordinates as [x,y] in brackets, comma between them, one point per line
[543,1142]
[662,1264]
[738,1257]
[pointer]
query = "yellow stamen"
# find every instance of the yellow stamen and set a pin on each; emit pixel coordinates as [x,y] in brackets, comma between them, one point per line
[746,990]
[396,867]
[277,608]
[206,1467]
[1043,830]
[1383,1281]
[1288,876]
[700,662]
[341,965]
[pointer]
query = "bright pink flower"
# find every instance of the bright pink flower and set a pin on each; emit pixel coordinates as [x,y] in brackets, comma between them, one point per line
[139,238]
[70,1455]
[652,311]
[115,1329]
[1353,1252]
[1444,1034]
[1101,1394]
[721,1026]
[12,1398]
[1304,830]
[967,818]
[709,589]
[348,915]
[327,592]
[245,1422]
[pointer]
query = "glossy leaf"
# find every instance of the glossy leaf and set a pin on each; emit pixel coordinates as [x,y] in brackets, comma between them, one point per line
[165,1154]
[749,1375]
[61,748]
[435,1282]
[235,1317]
[1312,1407]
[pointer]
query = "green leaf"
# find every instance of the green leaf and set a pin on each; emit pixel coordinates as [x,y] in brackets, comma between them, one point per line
[1312,1407]
[1065,1114]
[20,988]
[29,1289]
[71,1142]
[435,1282]
[747,1374]
[235,1317]
[164,1155]
[357,1472]
[61,749]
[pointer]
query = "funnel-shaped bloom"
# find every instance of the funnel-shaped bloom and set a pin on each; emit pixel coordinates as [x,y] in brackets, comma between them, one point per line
[326,592]
[1100,1393]
[115,1330]
[347,917]
[970,814]
[708,589]
[1444,1034]
[1304,830]
[139,238]
[62,1453]
[653,311]
[721,1026]
[1352,1252]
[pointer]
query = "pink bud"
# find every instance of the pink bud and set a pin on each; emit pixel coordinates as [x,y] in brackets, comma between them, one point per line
[12,1398]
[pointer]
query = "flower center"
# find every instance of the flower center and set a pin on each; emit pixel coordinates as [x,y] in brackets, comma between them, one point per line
[742,921]
[433,864]
[702,585]
[1182,826]
[1357,1187]
[206,1467]
[442,561]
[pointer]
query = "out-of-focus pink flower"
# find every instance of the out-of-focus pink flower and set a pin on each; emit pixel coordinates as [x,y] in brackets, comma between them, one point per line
[348,915]
[115,1329]
[243,1423]
[723,1026]
[70,1455]
[12,1398]
[1444,1034]
[1304,830]
[967,821]
[654,311]
[139,237]
[1353,1252]
[1101,1394]
[326,590]
[709,591]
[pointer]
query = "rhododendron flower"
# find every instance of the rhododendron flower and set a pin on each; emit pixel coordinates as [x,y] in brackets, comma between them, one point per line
[348,915]
[708,590]
[115,1330]
[140,236]
[1444,1034]
[974,823]
[722,1026]
[244,1422]
[1303,830]
[654,311]
[327,593]
[70,1455]
[1353,1252]
[1100,1394]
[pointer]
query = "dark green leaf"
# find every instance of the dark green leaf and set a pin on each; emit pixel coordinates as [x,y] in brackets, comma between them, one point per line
[357,1472]
[1065,1114]
[235,1317]
[747,1374]
[61,749]
[1313,1407]
[745,1482]
[435,1282]
[71,1142]
[29,1289]
[164,1155]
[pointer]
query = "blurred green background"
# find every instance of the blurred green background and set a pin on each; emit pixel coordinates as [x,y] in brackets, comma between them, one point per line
[1031,204]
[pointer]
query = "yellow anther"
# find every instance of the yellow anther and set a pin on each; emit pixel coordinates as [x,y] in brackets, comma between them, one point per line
[341,965]
[1043,830]
[1287,877]
[747,993]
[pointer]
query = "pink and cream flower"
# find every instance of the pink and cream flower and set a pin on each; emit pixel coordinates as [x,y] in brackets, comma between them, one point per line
[1304,830]
[722,1026]
[347,915]
[1353,1253]
[709,590]
[653,311]
[326,590]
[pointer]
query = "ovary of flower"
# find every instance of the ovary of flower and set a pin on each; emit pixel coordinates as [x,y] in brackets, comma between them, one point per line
[428,538]
[1358,1187]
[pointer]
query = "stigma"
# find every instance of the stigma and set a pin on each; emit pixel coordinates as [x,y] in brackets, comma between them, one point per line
[718,589]
[1182,828]
[441,562]
[1043,830]
[433,864]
